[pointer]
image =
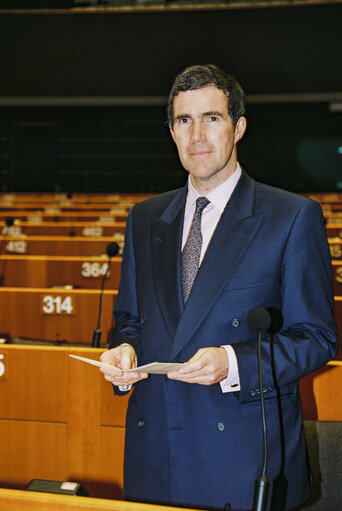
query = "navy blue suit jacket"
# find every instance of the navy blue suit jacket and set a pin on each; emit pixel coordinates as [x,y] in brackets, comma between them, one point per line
[192,445]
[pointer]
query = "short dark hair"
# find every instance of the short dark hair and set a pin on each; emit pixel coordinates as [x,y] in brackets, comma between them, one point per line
[199,76]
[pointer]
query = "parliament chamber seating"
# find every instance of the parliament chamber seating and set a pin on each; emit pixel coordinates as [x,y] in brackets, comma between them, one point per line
[59,419]
[67,228]
[57,245]
[84,272]
[54,315]
[58,215]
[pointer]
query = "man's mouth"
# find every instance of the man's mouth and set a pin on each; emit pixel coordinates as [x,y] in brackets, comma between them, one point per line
[200,153]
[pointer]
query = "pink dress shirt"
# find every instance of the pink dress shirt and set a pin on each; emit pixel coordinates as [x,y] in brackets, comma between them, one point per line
[219,198]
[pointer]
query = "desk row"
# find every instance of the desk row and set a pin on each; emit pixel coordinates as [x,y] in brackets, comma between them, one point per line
[54,315]
[94,229]
[55,215]
[21,198]
[68,316]
[88,229]
[59,245]
[87,246]
[84,272]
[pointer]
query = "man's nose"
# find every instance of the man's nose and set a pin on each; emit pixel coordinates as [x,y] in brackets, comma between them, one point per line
[197,133]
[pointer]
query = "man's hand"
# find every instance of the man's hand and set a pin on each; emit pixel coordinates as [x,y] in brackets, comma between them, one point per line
[207,366]
[121,357]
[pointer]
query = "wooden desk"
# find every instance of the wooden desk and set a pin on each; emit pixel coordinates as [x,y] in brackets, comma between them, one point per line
[335,248]
[65,228]
[334,230]
[51,420]
[60,420]
[337,277]
[75,196]
[333,217]
[20,198]
[332,207]
[338,318]
[325,197]
[17,500]
[58,245]
[56,214]
[54,314]
[67,206]
[321,393]
[48,271]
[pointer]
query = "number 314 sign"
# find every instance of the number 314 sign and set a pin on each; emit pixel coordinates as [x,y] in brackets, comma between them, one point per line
[55,304]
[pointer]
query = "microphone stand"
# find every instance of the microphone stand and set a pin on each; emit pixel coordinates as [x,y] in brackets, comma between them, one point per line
[112,249]
[97,332]
[262,484]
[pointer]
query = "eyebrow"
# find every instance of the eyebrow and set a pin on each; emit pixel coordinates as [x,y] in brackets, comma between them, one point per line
[204,114]
[214,113]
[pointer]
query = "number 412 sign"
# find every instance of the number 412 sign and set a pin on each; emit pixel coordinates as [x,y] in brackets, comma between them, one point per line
[55,304]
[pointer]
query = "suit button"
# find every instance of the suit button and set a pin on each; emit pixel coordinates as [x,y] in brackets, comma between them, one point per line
[252,393]
[141,423]
[235,323]
[220,426]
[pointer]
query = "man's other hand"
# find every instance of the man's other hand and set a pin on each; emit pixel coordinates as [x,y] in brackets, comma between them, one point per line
[206,367]
[120,358]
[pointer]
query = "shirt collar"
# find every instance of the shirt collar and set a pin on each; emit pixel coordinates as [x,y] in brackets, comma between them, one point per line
[219,196]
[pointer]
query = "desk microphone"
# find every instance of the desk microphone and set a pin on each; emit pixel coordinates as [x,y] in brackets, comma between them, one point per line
[9,221]
[260,320]
[111,249]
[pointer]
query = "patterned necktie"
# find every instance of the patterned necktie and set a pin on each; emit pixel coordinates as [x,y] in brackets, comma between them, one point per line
[192,249]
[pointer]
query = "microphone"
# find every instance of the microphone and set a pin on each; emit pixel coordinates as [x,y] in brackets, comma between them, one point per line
[267,320]
[9,221]
[111,250]
[260,320]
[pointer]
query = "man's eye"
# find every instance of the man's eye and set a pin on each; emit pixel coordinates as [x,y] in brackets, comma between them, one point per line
[212,118]
[183,120]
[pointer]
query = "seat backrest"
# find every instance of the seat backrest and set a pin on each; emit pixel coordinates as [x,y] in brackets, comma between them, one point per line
[324,443]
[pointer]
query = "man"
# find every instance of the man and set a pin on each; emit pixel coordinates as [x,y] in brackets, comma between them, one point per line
[194,436]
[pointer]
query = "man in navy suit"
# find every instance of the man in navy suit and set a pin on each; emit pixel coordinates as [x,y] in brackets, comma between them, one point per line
[194,436]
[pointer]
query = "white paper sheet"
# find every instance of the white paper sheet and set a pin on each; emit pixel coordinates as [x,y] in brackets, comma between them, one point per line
[152,368]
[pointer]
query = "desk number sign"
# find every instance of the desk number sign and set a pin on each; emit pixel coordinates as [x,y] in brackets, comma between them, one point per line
[55,304]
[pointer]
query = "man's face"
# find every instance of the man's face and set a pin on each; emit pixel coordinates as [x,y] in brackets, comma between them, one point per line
[204,135]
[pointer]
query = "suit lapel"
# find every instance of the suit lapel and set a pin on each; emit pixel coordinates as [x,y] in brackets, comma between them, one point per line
[231,238]
[166,252]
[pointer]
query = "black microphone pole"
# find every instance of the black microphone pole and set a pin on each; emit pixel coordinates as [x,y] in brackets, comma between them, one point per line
[112,249]
[259,320]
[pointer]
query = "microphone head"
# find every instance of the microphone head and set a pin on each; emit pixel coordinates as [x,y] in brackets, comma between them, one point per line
[259,319]
[9,221]
[112,249]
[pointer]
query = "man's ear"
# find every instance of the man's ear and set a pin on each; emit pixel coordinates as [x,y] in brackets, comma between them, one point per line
[240,128]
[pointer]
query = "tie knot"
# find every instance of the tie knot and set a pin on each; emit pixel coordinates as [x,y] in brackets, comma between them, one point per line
[201,203]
